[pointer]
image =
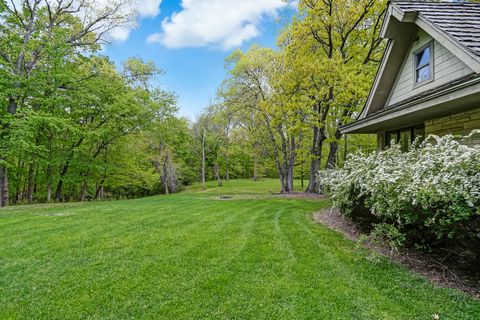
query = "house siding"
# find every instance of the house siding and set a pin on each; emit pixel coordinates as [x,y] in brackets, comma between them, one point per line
[446,68]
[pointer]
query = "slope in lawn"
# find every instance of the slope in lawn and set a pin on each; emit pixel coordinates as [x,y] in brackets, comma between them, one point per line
[193,256]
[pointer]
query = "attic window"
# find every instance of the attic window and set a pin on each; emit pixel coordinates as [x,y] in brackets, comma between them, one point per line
[423,64]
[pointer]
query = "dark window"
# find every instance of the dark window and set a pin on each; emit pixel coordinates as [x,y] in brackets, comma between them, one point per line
[423,64]
[405,137]
[391,136]
[418,132]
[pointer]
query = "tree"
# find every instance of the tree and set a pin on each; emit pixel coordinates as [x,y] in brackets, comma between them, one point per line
[256,83]
[334,48]
[37,35]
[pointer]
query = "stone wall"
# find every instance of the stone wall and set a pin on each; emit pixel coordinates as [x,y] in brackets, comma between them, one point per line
[457,124]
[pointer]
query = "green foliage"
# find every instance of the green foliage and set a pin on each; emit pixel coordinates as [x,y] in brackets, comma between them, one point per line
[68,114]
[429,194]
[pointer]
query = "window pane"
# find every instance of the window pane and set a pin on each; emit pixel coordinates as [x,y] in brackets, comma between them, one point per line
[419,133]
[391,136]
[423,57]
[405,139]
[423,74]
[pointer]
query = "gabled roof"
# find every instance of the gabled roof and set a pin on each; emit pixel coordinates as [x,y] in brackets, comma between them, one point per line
[460,20]
[456,25]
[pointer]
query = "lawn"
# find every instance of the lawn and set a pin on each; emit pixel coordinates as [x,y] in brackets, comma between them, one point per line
[194,256]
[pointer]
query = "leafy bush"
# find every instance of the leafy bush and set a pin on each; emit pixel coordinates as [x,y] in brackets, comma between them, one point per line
[426,196]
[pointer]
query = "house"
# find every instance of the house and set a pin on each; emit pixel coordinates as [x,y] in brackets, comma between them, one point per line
[428,81]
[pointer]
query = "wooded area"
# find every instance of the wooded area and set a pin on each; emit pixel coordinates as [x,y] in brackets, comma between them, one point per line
[76,127]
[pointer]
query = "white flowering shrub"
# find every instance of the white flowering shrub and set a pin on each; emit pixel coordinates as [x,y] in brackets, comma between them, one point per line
[429,193]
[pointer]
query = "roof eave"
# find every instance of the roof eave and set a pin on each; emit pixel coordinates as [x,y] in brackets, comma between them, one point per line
[447,96]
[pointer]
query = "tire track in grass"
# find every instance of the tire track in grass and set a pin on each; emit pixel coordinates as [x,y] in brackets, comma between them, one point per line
[178,274]
[121,230]
[341,264]
[212,275]
[262,278]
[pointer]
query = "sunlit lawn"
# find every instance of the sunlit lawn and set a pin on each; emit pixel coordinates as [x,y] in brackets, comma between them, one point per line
[194,256]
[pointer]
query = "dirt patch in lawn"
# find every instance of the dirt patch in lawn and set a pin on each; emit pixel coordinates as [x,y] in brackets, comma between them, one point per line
[436,267]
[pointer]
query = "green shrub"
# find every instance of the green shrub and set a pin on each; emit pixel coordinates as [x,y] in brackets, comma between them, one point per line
[429,194]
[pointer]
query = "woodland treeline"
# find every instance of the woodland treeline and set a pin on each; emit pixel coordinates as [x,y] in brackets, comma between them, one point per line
[76,127]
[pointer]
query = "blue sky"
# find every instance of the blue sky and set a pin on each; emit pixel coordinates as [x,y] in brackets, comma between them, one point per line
[194,60]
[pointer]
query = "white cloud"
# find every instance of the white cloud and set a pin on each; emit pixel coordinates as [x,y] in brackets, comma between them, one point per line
[139,9]
[120,34]
[148,8]
[217,23]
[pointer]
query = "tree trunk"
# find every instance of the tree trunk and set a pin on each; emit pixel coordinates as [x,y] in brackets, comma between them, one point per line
[317,145]
[99,190]
[332,155]
[30,183]
[281,177]
[165,182]
[63,173]
[49,191]
[3,186]
[217,175]
[227,169]
[255,177]
[83,190]
[58,191]
[301,175]
[4,194]
[291,164]
[49,184]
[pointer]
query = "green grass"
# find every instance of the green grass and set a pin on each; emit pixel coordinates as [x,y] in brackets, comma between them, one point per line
[192,256]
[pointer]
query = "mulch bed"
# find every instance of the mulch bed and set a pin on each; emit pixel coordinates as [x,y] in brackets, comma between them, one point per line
[438,269]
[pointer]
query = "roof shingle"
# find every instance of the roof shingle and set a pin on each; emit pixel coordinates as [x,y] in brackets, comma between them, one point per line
[461,20]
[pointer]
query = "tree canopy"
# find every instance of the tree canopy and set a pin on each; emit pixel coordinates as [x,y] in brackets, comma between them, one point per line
[74,126]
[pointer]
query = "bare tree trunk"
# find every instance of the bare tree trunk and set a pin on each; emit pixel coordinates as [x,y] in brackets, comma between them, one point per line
[301,175]
[291,164]
[217,175]
[49,184]
[3,186]
[30,183]
[4,194]
[99,190]
[281,177]
[227,169]
[165,182]
[83,190]
[317,145]
[332,155]
[58,191]
[255,176]
[63,173]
